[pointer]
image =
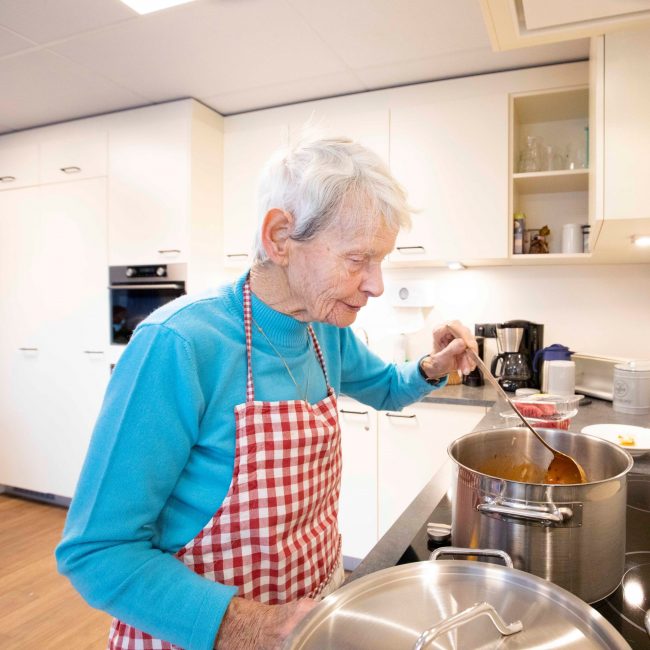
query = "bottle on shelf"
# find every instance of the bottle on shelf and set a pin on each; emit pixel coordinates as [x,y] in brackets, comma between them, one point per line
[519,229]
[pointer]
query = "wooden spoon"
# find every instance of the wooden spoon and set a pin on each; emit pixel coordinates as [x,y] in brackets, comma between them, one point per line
[563,468]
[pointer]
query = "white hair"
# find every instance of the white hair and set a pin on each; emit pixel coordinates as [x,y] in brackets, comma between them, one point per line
[320,181]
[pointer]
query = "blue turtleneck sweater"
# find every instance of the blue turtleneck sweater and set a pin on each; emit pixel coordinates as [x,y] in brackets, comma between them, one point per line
[162,453]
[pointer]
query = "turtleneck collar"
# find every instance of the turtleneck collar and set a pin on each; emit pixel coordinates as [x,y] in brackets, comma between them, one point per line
[283,330]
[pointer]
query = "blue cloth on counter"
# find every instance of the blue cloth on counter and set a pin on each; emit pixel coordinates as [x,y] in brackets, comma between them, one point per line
[162,453]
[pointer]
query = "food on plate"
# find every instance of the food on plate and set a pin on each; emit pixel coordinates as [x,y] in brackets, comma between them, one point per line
[626,441]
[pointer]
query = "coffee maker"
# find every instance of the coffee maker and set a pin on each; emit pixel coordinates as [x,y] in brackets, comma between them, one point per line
[517,343]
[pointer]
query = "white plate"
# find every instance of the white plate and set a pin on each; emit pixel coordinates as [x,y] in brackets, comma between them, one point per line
[611,432]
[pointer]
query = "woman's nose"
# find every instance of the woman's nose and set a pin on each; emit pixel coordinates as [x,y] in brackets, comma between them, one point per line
[373,283]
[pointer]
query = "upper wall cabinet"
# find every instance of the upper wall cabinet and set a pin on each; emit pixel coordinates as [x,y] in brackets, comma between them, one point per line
[621,97]
[165,182]
[249,141]
[69,154]
[451,155]
[18,162]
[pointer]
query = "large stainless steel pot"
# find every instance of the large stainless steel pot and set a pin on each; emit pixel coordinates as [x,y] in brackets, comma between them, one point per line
[453,604]
[572,535]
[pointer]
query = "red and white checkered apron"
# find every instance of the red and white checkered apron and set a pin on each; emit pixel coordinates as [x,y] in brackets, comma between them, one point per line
[276,534]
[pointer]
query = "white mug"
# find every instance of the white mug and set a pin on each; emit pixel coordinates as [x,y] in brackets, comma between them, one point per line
[572,239]
[561,378]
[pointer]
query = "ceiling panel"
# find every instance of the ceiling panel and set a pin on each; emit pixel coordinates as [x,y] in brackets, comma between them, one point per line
[375,32]
[470,62]
[47,88]
[285,93]
[48,20]
[10,42]
[206,49]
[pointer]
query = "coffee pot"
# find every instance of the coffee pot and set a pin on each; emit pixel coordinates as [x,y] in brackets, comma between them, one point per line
[510,366]
[555,352]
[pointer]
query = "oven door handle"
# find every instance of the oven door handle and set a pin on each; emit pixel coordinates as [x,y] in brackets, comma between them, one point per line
[147,286]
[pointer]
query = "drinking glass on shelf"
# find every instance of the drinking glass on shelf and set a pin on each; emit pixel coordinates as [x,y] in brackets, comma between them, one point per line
[530,158]
[552,159]
[575,156]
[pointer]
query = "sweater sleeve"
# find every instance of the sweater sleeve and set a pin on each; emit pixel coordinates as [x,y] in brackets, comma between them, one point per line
[369,379]
[144,435]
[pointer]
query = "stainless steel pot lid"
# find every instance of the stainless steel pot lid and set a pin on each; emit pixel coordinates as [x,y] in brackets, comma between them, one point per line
[390,610]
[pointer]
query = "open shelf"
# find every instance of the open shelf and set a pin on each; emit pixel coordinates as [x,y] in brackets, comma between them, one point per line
[564,180]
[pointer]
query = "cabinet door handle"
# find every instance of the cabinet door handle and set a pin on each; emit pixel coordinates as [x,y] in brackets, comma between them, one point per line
[403,417]
[93,351]
[236,254]
[346,412]
[70,170]
[410,249]
[7,179]
[169,250]
[28,349]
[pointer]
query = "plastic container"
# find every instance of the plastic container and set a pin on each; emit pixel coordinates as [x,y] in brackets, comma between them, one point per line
[545,411]
[512,420]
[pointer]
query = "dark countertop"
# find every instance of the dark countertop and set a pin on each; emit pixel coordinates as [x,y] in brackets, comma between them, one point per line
[390,548]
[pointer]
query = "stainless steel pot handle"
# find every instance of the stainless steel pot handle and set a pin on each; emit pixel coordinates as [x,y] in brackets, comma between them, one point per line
[552,515]
[483,552]
[467,615]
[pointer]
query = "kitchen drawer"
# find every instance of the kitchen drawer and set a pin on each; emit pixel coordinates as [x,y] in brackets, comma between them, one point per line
[74,156]
[18,165]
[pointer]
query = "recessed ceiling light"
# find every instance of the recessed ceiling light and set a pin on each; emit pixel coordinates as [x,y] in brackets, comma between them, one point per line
[149,6]
[641,240]
[455,266]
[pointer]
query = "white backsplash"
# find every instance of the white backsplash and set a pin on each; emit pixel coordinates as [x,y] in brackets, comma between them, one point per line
[601,310]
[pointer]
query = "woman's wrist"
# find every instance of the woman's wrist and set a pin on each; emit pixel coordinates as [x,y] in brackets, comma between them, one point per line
[430,371]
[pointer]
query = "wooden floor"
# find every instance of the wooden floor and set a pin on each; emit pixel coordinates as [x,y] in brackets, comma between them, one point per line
[39,609]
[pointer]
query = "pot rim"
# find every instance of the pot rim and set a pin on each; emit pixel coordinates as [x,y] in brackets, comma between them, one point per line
[597,440]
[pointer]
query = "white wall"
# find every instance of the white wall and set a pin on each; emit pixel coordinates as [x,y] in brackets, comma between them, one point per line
[602,310]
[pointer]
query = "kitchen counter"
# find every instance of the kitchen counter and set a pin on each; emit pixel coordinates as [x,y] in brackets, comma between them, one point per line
[461,394]
[390,548]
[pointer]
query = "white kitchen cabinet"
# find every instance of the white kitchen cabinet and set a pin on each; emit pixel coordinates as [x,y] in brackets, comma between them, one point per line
[412,446]
[69,154]
[18,162]
[626,128]
[165,170]
[450,154]
[358,501]
[53,365]
[249,141]
[149,185]
[388,457]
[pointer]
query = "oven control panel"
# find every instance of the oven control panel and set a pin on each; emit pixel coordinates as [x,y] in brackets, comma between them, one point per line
[157,271]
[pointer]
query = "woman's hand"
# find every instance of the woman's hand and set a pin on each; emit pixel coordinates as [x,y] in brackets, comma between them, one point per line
[249,625]
[450,343]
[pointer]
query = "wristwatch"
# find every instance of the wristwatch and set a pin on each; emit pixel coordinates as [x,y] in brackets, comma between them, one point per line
[440,381]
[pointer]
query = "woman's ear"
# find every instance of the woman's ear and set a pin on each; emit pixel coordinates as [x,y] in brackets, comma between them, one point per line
[277,227]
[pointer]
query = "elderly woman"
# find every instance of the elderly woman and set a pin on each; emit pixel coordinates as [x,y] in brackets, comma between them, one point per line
[206,512]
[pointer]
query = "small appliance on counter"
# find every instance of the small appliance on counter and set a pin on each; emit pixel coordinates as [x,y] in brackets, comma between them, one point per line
[517,342]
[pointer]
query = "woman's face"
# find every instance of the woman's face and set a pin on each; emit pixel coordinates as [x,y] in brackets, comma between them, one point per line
[332,276]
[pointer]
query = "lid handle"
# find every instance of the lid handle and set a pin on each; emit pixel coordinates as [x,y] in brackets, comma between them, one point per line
[483,552]
[467,615]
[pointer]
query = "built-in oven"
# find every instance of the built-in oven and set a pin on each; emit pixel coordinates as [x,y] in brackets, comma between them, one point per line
[136,291]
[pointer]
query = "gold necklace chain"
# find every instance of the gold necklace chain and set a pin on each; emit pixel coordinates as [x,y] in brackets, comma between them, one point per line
[286,365]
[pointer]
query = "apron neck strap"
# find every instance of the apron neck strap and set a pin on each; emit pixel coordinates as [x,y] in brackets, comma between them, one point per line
[248,329]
